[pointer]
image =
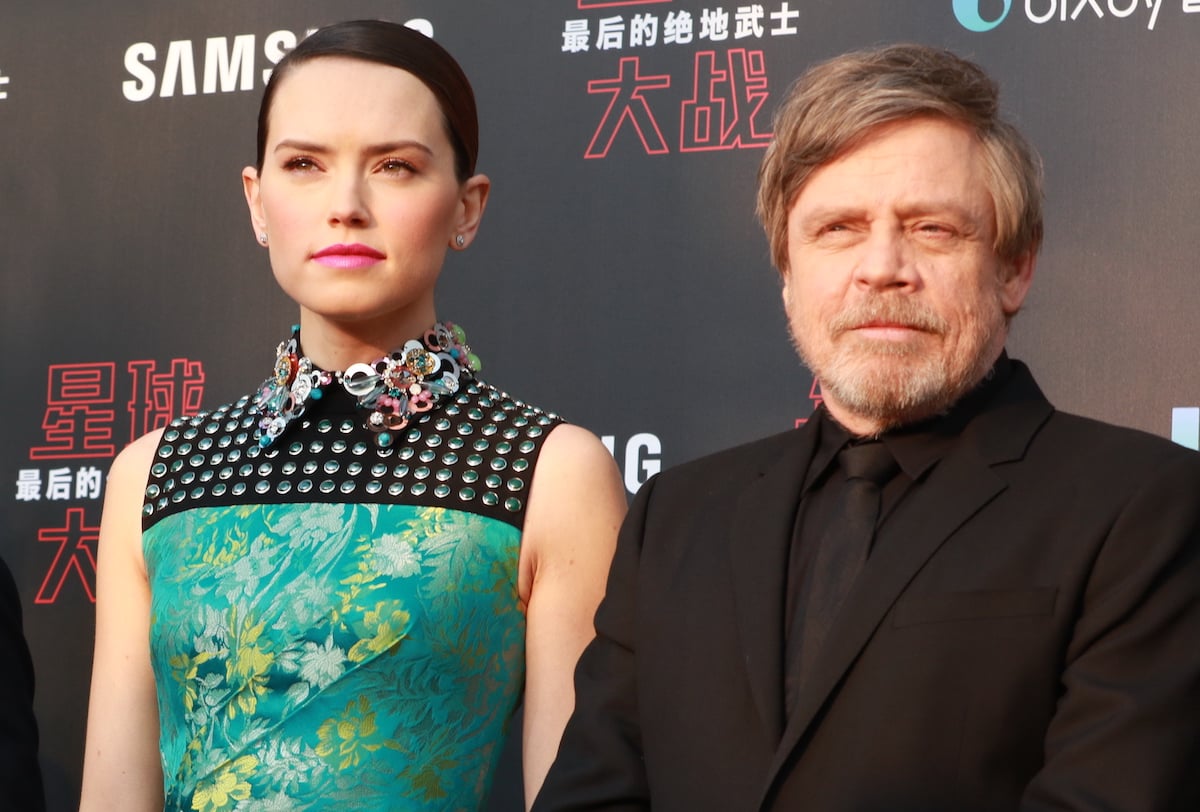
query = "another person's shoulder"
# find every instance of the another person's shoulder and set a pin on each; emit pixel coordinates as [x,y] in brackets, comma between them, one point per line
[718,471]
[1115,468]
[1098,445]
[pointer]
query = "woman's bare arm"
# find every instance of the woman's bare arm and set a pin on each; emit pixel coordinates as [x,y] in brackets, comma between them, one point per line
[576,506]
[121,767]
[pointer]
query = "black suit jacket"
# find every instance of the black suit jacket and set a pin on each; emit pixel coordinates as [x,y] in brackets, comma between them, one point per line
[20,776]
[1026,635]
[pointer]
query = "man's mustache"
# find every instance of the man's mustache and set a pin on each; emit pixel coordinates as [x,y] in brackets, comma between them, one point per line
[889,311]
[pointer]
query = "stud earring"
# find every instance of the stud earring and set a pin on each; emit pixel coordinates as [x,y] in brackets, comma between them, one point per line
[262,238]
[460,240]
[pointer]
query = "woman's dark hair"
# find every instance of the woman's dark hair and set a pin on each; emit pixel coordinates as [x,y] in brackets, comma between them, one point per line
[400,47]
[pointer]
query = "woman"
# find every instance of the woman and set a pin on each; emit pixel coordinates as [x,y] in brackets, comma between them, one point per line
[347,577]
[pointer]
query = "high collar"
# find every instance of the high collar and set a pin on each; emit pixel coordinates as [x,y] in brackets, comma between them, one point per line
[406,382]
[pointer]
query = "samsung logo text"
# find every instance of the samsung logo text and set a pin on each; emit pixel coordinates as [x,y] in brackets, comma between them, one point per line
[215,65]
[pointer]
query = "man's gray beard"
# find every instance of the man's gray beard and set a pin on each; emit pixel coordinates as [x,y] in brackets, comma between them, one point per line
[900,393]
[915,386]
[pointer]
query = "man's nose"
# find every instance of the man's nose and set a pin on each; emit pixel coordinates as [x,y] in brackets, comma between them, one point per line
[886,260]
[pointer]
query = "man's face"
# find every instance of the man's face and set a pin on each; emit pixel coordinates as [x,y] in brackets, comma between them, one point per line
[896,300]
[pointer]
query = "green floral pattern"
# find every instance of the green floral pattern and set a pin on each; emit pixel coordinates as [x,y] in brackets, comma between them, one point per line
[333,656]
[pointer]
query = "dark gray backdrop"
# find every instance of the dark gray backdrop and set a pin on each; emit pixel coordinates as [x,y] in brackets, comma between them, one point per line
[631,292]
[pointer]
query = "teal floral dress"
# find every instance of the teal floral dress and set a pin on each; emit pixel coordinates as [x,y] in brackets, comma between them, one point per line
[335,621]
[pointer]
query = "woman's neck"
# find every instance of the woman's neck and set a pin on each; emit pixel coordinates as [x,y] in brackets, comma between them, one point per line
[335,346]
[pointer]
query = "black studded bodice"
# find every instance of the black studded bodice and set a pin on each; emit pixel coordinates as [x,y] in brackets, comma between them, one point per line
[474,451]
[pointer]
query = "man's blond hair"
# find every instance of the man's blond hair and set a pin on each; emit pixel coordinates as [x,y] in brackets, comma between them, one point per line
[837,104]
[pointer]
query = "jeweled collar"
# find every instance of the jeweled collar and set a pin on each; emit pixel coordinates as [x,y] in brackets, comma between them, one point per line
[403,383]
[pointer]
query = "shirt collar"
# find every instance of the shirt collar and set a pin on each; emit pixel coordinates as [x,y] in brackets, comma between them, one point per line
[918,447]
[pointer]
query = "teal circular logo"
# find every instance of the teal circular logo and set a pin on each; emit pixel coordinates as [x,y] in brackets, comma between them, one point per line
[967,12]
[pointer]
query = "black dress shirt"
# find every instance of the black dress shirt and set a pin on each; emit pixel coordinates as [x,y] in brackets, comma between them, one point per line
[917,449]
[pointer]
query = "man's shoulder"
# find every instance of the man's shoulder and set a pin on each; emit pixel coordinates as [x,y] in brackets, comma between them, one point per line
[1038,431]
[738,463]
[1099,442]
[1114,463]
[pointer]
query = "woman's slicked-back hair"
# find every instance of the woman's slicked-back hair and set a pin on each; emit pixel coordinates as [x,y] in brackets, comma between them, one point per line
[837,104]
[399,47]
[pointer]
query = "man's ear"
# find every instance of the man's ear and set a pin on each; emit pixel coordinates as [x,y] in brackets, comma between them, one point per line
[1017,277]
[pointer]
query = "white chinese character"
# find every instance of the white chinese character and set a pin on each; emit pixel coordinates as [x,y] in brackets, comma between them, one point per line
[611,34]
[748,21]
[784,17]
[677,28]
[58,483]
[87,483]
[643,30]
[29,485]
[714,25]
[1191,6]
[575,36]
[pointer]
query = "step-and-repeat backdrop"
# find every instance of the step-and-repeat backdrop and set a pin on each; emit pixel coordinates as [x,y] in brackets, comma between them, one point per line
[620,276]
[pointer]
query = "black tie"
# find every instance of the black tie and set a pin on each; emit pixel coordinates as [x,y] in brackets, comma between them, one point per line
[844,542]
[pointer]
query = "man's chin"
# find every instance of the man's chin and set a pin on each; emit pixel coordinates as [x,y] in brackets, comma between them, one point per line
[889,393]
[886,368]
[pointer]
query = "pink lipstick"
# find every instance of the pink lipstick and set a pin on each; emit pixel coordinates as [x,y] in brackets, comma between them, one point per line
[348,256]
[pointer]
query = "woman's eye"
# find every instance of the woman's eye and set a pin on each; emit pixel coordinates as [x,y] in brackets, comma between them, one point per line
[396,165]
[299,164]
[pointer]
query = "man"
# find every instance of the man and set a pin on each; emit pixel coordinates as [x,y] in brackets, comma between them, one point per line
[1020,626]
[20,776]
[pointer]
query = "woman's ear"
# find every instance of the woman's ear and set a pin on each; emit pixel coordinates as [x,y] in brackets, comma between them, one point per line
[472,202]
[258,221]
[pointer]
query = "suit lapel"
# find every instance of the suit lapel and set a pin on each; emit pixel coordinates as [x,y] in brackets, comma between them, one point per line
[960,485]
[760,539]
[955,490]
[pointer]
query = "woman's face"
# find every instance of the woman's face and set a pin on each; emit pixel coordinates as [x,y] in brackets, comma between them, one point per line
[358,195]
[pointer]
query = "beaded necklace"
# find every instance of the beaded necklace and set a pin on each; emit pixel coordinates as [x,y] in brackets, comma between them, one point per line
[404,383]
